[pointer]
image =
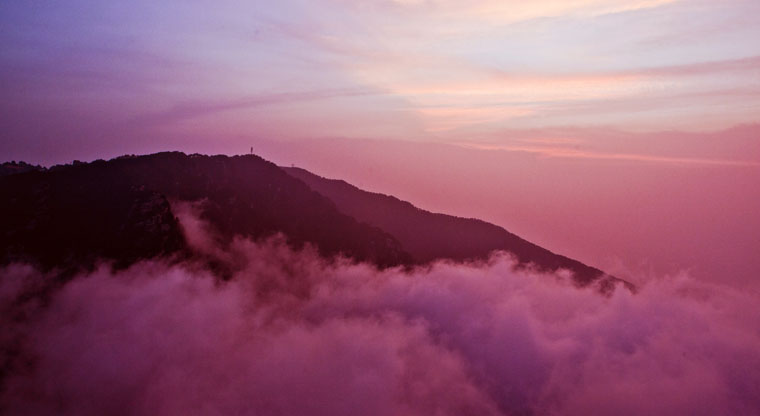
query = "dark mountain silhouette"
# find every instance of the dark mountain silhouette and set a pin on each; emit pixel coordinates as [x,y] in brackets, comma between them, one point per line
[429,236]
[71,216]
[11,168]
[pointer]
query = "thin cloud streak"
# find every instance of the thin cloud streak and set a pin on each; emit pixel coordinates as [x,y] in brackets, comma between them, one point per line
[185,62]
[497,95]
[183,112]
[561,152]
[511,12]
[749,64]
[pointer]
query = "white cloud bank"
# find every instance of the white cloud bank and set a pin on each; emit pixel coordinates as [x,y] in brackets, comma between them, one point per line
[290,334]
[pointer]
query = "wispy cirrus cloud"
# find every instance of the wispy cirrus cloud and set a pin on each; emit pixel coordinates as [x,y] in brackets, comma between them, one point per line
[505,12]
[564,152]
[187,111]
[735,147]
[484,94]
[450,70]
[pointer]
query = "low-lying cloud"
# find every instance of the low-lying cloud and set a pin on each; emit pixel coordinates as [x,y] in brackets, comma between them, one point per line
[293,334]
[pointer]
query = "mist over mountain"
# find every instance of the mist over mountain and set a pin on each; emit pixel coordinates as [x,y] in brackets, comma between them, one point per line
[292,333]
[455,208]
[188,284]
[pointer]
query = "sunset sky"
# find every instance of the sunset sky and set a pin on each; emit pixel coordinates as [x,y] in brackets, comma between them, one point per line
[623,133]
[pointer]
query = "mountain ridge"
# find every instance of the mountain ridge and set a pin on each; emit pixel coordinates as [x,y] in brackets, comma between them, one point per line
[445,236]
[70,216]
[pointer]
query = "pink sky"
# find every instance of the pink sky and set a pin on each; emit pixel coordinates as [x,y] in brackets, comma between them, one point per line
[622,133]
[630,213]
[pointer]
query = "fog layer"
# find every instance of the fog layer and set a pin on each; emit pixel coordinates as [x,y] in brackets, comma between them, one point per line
[293,334]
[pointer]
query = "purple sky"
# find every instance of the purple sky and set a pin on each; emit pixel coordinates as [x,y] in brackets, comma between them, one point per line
[623,133]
